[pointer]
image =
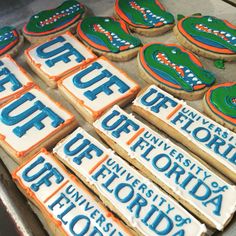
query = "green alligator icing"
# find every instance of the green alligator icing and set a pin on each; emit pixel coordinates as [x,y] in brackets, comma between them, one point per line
[175,66]
[211,31]
[220,64]
[7,35]
[147,13]
[107,32]
[224,99]
[58,17]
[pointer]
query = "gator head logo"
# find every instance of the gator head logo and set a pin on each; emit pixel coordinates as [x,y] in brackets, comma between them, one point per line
[8,39]
[106,34]
[54,20]
[143,13]
[221,99]
[174,67]
[209,33]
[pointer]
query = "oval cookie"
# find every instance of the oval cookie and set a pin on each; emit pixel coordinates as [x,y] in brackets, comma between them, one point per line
[174,69]
[105,35]
[208,36]
[145,17]
[220,104]
[10,40]
[55,21]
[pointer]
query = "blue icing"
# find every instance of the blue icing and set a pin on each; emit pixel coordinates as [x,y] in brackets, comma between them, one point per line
[165,75]
[105,87]
[67,48]
[208,41]
[9,78]
[45,180]
[158,102]
[95,39]
[77,80]
[83,150]
[36,122]
[114,80]
[121,125]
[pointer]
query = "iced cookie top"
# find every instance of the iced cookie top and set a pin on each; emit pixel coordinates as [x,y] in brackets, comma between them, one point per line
[54,20]
[210,33]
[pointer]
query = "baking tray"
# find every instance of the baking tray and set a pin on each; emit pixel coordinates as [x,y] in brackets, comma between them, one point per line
[16,12]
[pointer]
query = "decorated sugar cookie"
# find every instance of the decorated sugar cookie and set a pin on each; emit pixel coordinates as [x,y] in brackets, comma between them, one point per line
[31,121]
[144,17]
[208,36]
[206,138]
[220,104]
[141,204]
[57,57]
[174,69]
[177,171]
[67,207]
[97,87]
[105,35]
[10,41]
[55,21]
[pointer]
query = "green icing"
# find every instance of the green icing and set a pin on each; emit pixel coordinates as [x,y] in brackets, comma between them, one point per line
[145,13]
[180,16]
[220,64]
[54,18]
[211,31]
[175,66]
[107,32]
[7,37]
[224,99]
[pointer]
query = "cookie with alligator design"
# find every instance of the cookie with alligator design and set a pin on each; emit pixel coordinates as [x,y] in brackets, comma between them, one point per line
[53,22]
[144,17]
[109,37]
[220,104]
[10,41]
[207,36]
[174,69]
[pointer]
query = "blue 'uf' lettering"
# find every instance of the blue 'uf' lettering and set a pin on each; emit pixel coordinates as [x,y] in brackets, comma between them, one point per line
[67,49]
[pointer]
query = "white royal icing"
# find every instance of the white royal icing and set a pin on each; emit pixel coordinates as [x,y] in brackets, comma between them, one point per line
[32,136]
[126,188]
[225,154]
[55,59]
[172,166]
[12,79]
[99,85]
[67,202]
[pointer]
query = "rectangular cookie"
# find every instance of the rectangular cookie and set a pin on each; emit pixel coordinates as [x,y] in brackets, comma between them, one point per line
[13,79]
[196,186]
[97,87]
[140,203]
[57,57]
[32,121]
[67,206]
[203,136]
